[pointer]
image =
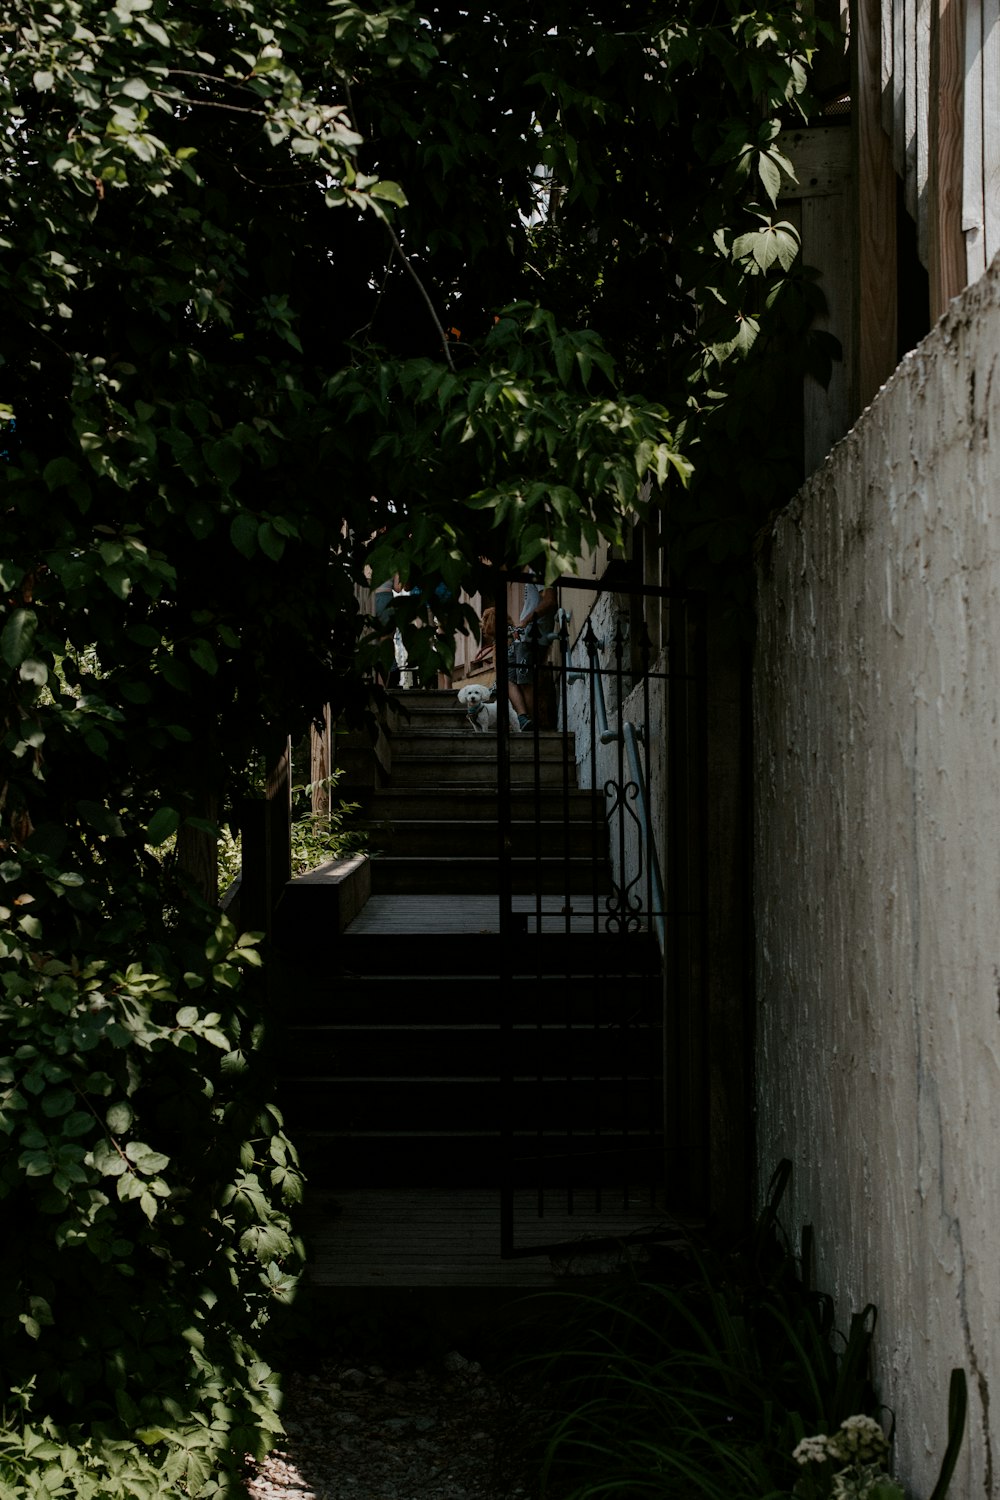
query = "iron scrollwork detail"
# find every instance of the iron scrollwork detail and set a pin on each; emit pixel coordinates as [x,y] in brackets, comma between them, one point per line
[623,906]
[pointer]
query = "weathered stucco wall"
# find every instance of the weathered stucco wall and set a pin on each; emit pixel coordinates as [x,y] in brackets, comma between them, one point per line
[877,879]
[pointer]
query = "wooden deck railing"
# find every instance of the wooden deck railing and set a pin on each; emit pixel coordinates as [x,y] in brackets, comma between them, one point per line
[265,826]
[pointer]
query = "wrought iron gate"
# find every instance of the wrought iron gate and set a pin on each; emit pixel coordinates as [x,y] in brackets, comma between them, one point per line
[600,807]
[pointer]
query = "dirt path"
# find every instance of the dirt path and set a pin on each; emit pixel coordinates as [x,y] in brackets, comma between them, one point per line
[444,1431]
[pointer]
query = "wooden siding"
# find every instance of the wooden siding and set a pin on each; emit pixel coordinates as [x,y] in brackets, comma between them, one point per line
[875,198]
[938,75]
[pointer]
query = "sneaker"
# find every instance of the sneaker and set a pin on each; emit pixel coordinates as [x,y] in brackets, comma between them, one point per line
[523,722]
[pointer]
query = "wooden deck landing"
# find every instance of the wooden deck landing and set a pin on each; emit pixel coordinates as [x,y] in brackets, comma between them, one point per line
[462,913]
[430,1237]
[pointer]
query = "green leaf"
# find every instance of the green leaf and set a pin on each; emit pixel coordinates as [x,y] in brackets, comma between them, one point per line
[225,459]
[57,1102]
[200,519]
[788,245]
[145,1158]
[118,1117]
[151,1435]
[390,191]
[203,655]
[18,636]
[144,635]
[770,176]
[271,544]
[35,1163]
[60,471]
[100,819]
[243,533]
[175,672]
[164,822]
[746,336]
[33,670]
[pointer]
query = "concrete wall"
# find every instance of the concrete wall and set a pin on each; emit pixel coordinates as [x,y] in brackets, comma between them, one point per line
[877,879]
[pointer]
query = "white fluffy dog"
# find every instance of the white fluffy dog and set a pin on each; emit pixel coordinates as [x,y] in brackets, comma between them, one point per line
[480,704]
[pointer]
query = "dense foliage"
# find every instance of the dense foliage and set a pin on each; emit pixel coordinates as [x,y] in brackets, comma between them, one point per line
[262,262]
[626,177]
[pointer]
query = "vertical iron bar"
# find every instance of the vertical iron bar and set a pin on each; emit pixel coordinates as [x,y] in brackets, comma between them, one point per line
[702,847]
[624,1038]
[593,667]
[533,648]
[569,996]
[648,807]
[532,652]
[505,973]
[596,845]
[568,892]
[678,995]
[653,1087]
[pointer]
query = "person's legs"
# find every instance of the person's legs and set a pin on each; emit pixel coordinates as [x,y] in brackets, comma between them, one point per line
[517,674]
[517,700]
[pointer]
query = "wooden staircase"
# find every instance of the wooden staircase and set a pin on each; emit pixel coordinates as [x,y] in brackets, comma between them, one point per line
[412,1062]
[433,830]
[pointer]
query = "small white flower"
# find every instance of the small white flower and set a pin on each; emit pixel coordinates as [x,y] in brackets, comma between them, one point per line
[812,1450]
[860,1440]
[861,1482]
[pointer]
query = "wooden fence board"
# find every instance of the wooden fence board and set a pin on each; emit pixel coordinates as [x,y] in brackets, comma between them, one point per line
[991,127]
[888,66]
[973,226]
[922,154]
[946,258]
[910,106]
[899,87]
[875,212]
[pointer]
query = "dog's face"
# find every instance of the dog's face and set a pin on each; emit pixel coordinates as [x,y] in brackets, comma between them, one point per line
[473,694]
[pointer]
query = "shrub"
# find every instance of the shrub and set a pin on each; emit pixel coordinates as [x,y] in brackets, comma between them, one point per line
[146,1189]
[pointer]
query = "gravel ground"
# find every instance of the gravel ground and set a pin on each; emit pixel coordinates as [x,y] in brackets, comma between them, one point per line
[442,1432]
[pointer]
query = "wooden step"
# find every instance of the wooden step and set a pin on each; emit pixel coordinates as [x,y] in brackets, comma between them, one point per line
[475,770]
[443,875]
[454,1000]
[596,955]
[439,721]
[454,718]
[451,837]
[478,804]
[524,748]
[342,1050]
[432,1105]
[414,699]
[357,1158]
